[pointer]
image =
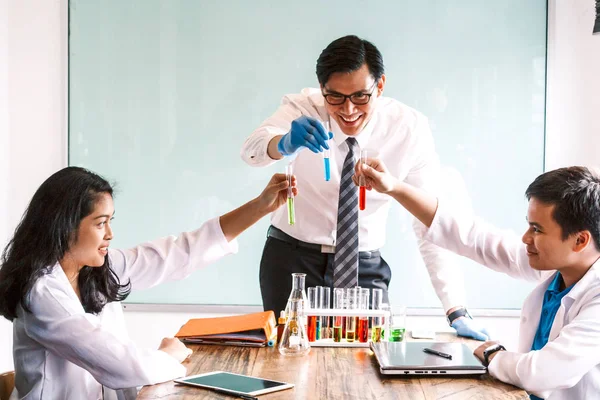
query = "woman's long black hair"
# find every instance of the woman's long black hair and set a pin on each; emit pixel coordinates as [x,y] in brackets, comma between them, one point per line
[48,228]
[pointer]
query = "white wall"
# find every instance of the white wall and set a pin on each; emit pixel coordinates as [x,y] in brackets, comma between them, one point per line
[5,326]
[33,37]
[573,93]
[33,81]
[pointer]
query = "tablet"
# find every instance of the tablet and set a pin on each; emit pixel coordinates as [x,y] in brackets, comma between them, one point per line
[234,383]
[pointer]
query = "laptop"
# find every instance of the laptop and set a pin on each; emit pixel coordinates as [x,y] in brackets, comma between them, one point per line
[409,358]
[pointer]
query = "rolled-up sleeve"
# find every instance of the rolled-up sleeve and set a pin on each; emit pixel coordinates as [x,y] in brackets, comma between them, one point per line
[254,149]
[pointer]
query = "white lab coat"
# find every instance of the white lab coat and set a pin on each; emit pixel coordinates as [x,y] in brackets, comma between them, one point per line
[62,352]
[568,366]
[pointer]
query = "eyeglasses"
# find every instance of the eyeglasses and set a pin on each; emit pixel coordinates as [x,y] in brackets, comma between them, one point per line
[359,99]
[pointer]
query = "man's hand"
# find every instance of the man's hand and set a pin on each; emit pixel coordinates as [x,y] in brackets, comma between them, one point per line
[306,132]
[376,175]
[468,327]
[479,351]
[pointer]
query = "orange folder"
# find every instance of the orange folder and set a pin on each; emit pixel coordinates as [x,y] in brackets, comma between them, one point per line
[239,330]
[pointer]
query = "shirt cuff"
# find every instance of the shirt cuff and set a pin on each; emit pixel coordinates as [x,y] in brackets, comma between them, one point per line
[255,150]
[504,367]
[217,232]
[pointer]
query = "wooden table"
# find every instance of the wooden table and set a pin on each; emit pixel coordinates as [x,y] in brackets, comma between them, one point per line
[329,373]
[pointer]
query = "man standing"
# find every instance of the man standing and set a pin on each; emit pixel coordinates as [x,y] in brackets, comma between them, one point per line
[331,241]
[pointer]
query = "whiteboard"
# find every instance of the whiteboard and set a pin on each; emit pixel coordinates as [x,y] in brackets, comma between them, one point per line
[162,94]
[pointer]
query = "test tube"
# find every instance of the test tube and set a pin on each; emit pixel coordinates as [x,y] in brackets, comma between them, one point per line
[290,195]
[312,319]
[326,163]
[377,321]
[351,304]
[362,195]
[325,304]
[338,321]
[319,304]
[385,322]
[327,154]
[363,322]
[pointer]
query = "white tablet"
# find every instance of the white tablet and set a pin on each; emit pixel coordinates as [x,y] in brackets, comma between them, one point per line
[234,383]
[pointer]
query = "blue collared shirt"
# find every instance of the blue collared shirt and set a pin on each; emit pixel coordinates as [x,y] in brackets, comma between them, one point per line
[552,300]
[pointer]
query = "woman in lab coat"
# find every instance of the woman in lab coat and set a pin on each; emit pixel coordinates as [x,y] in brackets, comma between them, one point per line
[61,285]
[559,337]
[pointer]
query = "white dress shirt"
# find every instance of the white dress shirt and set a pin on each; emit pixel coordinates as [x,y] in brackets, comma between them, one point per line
[396,134]
[568,366]
[62,352]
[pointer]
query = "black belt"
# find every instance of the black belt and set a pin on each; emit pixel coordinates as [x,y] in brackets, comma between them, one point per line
[284,237]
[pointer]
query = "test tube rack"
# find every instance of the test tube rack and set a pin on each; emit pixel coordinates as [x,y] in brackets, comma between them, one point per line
[331,312]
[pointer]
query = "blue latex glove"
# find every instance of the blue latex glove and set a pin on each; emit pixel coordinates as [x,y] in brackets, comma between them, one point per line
[469,328]
[306,132]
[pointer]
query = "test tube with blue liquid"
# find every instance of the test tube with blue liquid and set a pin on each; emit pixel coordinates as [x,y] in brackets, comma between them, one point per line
[290,195]
[327,155]
[326,162]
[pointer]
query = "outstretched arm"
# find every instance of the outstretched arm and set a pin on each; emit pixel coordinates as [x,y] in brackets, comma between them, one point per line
[174,258]
[418,202]
[272,197]
[465,235]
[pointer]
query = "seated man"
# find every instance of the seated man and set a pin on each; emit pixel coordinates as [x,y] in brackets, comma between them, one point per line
[559,342]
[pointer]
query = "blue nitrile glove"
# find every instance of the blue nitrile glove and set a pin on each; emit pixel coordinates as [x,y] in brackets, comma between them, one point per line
[306,132]
[467,327]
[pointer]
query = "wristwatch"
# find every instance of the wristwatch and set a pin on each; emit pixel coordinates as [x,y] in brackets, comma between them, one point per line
[491,350]
[461,312]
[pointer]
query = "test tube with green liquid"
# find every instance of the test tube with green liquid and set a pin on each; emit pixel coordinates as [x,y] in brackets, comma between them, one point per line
[290,195]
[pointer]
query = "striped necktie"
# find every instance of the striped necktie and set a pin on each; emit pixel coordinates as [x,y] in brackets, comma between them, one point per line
[345,263]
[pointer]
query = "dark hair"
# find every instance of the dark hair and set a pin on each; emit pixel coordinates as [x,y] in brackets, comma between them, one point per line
[349,54]
[44,235]
[575,193]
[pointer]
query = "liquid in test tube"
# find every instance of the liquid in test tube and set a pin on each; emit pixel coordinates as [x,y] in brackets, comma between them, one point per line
[290,195]
[326,163]
[362,194]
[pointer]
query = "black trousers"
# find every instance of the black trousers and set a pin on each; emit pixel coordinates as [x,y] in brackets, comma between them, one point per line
[282,258]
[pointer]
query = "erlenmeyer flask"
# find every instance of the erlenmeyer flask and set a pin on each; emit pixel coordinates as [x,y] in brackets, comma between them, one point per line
[298,293]
[294,341]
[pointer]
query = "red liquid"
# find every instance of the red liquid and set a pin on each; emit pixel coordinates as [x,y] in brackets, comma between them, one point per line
[312,329]
[343,326]
[362,198]
[363,330]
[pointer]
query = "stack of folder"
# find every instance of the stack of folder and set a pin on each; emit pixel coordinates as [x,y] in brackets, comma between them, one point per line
[255,330]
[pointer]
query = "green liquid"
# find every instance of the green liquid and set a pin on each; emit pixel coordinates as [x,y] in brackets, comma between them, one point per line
[376,334]
[291,214]
[337,333]
[396,334]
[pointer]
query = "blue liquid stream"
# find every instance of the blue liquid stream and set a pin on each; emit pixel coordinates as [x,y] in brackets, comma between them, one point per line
[327,169]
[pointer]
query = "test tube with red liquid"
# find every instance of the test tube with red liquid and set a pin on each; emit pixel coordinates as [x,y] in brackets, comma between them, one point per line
[362,182]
